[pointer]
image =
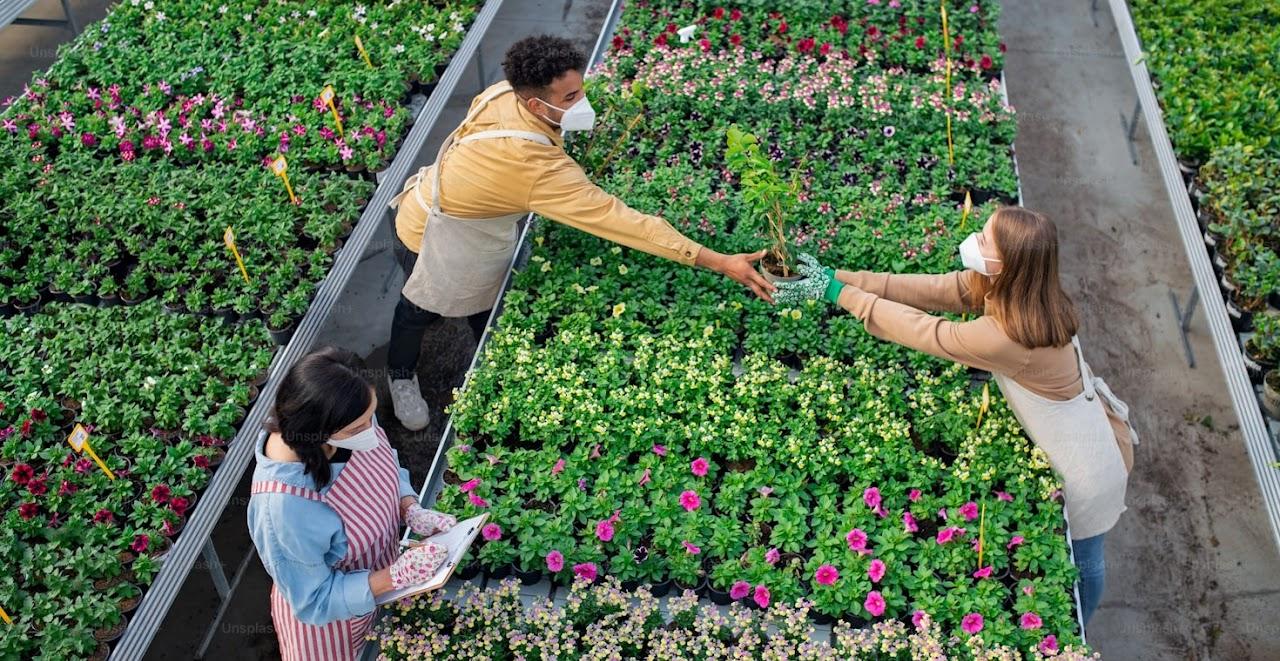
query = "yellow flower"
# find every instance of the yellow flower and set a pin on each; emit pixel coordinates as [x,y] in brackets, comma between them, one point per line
[546,266]
[795,314]
[622,269]
[596,261]
[619,309]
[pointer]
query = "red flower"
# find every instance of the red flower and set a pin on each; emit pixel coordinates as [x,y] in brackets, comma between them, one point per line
[782,27]
[873,32]
[1003,48]
[718,13]
[28,511]
[103,515]
[160,493]
[39,415]
[825,48]
[959,40]
[618,42]
[140,544]
[840,24]
[200,461]
[66,488]
[22,474]
[179,505]
[735,15]
[38,487]
[735,39]
[806,45]
[671,28]
[920,42]
[986,62]
[26,427]
[705,44]
[661,40]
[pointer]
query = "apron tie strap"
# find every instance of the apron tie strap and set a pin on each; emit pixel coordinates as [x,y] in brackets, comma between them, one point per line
[507,133]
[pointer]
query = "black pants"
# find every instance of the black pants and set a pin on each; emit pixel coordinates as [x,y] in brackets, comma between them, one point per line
[410,324]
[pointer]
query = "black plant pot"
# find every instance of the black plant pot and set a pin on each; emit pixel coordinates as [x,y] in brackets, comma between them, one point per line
[719,597]
[1241,319]
[468,572]
[282,336]
[660,589]
[109,301]
[527,577]
[499,573]
[630,585]
[28,309]
[86,299]
[230,316]
[1273,300]
[698,588]
[1255,364]
[820,618]
[173,308]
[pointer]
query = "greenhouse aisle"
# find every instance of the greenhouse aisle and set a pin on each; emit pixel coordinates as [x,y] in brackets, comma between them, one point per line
[1193,570]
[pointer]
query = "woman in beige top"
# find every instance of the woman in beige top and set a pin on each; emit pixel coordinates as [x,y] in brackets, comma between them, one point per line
[1026,338]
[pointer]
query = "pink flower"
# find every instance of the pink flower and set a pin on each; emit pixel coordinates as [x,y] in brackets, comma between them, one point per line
[826,575]
[660,450]
[947,534]
[491,532]
[913,495]
[604,530]
[345,152]
[772,556]
[690,548]
[918,619]
[103,516]
[1005,496]
[1049,645]
[985,572]
[179,505]
[690,501]
[595,452]
[699,467]
[1017,539]
[761,597]
[1028,590]
[140,544]
[765,492]
[972,623]
[909,522]
[555,561]
[874,603]
[160,493]
[969,511]
[876,570]
[469,485]
[739,590]
[871,496]
[558,468]
[477,501]
[857,540]
[1030,621]
[22,474]
[585,570]
[645,479]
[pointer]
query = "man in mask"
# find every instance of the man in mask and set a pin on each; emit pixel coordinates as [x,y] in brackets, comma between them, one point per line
[458,219]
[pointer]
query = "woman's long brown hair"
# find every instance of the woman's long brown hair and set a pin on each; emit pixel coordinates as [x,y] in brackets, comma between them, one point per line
[1026,298]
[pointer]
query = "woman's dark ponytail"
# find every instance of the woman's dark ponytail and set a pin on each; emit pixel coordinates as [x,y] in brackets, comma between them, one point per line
[323,393]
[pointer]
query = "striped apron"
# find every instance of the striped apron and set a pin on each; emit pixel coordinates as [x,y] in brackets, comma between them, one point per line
[366,496]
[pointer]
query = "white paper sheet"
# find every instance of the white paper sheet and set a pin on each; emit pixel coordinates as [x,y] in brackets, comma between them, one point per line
[458,539]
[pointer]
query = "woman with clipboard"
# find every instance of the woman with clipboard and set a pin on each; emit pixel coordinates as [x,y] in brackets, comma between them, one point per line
[328,499]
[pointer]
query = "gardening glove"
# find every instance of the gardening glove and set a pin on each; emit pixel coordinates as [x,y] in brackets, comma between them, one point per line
[418,564]
[427,522]
[819,282]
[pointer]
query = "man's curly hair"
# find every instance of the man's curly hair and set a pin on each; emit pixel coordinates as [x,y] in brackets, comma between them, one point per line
[532,63]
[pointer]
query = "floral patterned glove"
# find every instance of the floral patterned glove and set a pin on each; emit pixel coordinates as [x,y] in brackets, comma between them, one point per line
[417,564]
[819,282]
[427,522]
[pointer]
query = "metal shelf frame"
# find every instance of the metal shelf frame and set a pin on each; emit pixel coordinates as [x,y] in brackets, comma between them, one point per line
[10,14]
[195,538]
[1257,436]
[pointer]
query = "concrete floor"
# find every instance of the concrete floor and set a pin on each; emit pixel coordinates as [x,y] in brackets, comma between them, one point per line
[1193,572]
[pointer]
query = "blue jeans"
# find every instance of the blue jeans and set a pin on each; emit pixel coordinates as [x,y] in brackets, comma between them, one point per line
[1091,560]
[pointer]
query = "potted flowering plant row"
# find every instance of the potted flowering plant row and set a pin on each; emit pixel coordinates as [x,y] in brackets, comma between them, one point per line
[196,83]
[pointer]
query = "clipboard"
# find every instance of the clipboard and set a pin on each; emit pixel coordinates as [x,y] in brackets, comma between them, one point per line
[458,539]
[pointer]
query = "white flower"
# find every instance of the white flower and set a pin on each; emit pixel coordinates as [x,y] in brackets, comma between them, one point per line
[159,16]
[149,5]
[429,37]
[311,13]
[248,18]
[223,9]
[431,27]
[398,48]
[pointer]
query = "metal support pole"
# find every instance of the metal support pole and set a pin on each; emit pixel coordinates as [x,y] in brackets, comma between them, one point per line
[71,19]
[1130,130]
[226,602]
[480,69]
[1093,12]
[1183,316]
[214,565]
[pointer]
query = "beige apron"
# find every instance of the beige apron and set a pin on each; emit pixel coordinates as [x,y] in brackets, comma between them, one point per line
[1081,445]
[462,261]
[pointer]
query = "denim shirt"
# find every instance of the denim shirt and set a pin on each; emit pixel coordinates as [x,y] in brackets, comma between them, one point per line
[302,541]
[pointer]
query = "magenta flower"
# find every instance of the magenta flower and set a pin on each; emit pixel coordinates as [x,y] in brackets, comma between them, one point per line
[469,485]
[857,540]
[491,532]
[88,139]
[477,501]
[761,597]
[660,450]
[645,479]
[555,561]
[918,619]
[604,530]
[9,125]
[871,496]
[1005,496]
[22,474]
[947,534]
[1028,590]
[160,493]
[913,495]
[558,468]
[140,544]
[1030,621]
[326,133]
[1017,539]
[985,572]
[739,590]
[586,570]
[826,575]
[699,467]
[972,623]
[909,522]
[690,501]
[1049,645]
[772,556]
[874,603]
[691,549]
[595,452]
[103,516]
[28,511]
[345,152]
[876,570]
[969,511]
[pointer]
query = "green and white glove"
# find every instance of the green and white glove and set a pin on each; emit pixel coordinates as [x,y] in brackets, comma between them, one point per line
[819,282]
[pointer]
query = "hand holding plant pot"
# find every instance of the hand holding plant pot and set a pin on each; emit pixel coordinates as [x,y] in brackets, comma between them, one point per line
[819,282]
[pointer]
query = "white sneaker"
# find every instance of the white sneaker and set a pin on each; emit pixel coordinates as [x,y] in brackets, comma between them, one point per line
[406,398]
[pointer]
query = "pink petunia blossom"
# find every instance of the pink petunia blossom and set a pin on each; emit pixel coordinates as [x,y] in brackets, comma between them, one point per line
[28,511]
[914,495]
[586,570]
[699,467]
[690,501]
[1030,621]
[969,511]
[1005,496]
[857,540]
[555,561]
[826,575]
[972,623]
[690,548]
[558,468]
[1049,645]
[469,485]
[876,570]
[595,451]
[874,603]
[1017,540]
[985,572]
[140,543]
[761,596]
[739,590]
[660,450]
[871,496]
[477,501]
[919,619]
[772,556]
[645,479]
[1028,590]
[909,522]
[491,532]
[947,534]
[604,530]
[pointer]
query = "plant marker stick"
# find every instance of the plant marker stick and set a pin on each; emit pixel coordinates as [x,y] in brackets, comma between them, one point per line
[982,533]
[281,169]
[968,207]
[986,403]
[5,616]
[363,53]
[946,52]
[327,95]
[79,441]
[229,238]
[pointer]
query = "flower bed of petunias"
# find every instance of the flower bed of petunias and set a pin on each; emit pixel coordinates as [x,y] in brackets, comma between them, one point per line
[634,419]
[604,621]
[159,394]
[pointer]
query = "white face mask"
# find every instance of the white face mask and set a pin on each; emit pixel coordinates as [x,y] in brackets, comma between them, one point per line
[971,255]
[579,116]
[359,442]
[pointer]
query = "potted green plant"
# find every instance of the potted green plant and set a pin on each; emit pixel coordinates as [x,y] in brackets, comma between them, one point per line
[767,193]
